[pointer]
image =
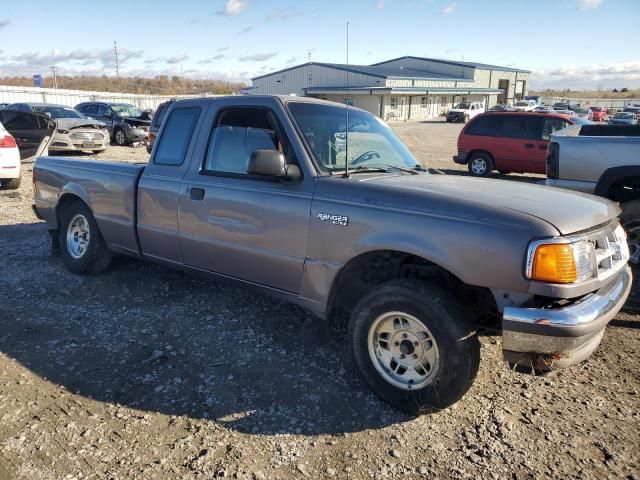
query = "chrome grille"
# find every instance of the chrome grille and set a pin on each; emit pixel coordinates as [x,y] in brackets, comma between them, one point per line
[94,136]
[611,252]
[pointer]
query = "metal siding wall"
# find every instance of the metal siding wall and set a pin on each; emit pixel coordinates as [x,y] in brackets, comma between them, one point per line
[435,67]
[296,79]
[10,94]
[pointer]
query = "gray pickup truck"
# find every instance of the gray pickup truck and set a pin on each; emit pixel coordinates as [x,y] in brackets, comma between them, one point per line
[602,160]
[322,205]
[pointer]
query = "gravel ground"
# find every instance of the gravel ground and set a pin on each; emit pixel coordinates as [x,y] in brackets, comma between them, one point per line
[144,372]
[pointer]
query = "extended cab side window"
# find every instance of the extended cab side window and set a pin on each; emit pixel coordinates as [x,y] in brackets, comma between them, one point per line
[236,134]
[176,136]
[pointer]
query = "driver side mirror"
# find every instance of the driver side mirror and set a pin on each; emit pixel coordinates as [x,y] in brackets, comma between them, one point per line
[271,163]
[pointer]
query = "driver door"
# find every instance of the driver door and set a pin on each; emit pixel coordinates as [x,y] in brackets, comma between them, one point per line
[239,225]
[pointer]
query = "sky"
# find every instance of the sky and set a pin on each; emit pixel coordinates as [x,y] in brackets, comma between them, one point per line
[576,44]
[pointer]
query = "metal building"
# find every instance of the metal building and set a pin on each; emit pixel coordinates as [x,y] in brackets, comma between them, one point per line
[405,88]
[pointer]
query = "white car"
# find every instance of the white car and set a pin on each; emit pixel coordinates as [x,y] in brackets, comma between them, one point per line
[463,112]
[9,160]
[525,105]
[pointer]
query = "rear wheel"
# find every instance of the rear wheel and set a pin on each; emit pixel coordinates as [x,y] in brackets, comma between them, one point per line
[12,184]
[413,346]
[630,220]
[82,247]
[480,165]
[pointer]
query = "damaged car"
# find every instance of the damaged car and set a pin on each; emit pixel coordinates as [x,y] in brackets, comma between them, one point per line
[75,131]
[23,135]
[126,123]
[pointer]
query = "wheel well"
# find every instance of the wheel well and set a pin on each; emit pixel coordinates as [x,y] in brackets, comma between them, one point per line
[64,202]
[473,152]
[624,189]
[370,269]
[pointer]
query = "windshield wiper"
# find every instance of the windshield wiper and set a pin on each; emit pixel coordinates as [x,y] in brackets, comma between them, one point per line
[365,169]
[411,171]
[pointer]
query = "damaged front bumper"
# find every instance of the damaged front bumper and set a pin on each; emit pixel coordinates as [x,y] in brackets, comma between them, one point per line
[549,339]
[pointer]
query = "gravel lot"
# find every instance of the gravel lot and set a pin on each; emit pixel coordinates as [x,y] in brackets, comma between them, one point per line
[144,372]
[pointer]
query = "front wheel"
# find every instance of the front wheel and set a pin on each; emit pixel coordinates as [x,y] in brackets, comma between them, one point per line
[630,220]
[120,137]
[480,165]
[82,247]
[413,346]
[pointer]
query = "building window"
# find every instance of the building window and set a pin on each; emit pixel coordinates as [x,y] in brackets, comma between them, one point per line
[394,102]
[425,101]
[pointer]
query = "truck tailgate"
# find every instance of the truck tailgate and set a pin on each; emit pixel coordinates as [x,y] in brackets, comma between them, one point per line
[108,188]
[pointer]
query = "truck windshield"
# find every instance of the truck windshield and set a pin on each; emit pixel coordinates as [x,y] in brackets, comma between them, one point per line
[463,106]
[371,143]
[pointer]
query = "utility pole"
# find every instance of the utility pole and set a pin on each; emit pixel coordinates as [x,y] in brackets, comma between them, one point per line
[309,55]
[54,70]
[115,52]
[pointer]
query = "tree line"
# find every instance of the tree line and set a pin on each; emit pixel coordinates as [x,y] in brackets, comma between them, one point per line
[159,85]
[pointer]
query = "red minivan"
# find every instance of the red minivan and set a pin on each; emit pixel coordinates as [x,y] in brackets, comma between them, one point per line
[508,142]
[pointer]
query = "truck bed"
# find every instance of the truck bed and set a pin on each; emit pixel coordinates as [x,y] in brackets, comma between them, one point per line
[107,187]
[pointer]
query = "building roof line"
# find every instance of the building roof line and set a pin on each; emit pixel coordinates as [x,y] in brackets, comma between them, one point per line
[453,62]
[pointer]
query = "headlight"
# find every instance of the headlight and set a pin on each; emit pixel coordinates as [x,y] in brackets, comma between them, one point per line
[558,262]
[64,132]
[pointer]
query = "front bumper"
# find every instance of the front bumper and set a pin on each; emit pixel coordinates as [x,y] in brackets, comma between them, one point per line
[75,141]
[549,339]
[136,135]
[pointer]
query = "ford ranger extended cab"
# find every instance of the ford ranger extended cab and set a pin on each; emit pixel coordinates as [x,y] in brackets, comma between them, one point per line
[321,204]
[601,160]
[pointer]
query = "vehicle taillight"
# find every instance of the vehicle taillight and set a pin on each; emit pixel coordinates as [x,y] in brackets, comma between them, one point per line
[553,160]
[8,142]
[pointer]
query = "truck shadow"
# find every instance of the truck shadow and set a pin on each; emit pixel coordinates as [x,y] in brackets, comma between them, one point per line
[154,339]
[158,340]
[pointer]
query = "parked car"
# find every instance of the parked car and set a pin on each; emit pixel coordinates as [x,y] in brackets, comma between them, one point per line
[542,109]
[156,122]
[23,135]
[507,142]
[560,106]
[75,131]
[463,112]
[501,107]
[535,98]
[624,118]
[3,105]
[126,123]
[601,160]
[599,114]
[525,105]
[255,190]
[634,110]
[581,112]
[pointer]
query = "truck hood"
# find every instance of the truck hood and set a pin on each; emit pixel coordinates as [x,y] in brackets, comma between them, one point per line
[70,123]
[136,122]
[567,211]
[458,110]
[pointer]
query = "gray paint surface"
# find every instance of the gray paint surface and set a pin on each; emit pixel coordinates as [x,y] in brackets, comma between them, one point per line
[271,234]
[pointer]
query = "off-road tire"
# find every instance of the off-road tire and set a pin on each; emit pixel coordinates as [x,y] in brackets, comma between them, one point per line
[630,221]
[12,184]
[97,256]
[454,335]
[480,158]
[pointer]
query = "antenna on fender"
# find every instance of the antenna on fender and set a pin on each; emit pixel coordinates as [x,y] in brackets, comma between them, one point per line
[346,130]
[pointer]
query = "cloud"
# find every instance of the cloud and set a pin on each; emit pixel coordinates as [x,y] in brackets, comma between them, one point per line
[577,77]
[4,23]
[258,57]
[234,7]
[84,57]
[223,49]
[589,4]
[245,30]
[177,59]
[212,59]
[292,60]
[449,9]
[380,4]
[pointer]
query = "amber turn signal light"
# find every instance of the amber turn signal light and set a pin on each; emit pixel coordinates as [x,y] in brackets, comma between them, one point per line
[554,263]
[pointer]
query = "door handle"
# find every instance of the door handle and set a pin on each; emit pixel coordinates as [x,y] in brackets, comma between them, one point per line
[196,193]
[529,145]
